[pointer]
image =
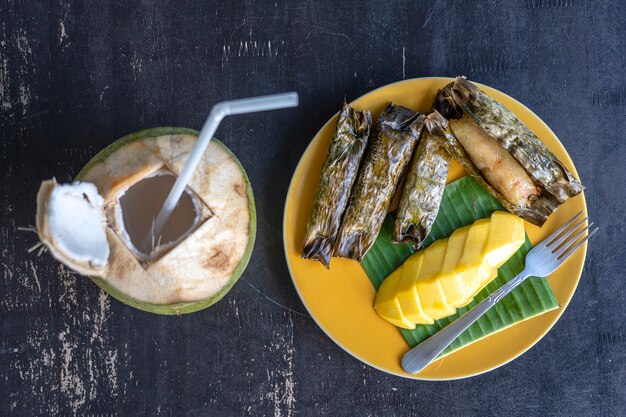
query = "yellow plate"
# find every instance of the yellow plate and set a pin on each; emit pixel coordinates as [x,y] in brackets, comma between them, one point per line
[341,299]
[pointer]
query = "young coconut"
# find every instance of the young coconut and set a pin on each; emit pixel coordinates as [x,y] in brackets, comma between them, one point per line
[96,225]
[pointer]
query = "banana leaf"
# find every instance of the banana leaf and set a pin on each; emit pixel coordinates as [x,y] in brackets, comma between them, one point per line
[463,202]
[338,175]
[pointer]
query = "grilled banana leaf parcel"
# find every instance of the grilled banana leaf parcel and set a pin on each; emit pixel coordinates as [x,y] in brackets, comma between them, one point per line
[339,172]
[395,134]
[502,153]
[423,189]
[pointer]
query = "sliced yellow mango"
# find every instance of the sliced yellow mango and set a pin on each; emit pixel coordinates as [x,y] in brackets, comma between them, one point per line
[407,293]
[471,267]
[475,243]
[453,284]
[489,275]
[387,305]
[428,286]
[434,282]
[506,235]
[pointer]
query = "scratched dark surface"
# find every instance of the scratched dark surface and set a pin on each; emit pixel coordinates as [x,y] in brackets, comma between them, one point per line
[75,75]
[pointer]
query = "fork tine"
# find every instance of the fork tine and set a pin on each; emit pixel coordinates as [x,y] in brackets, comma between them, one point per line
[561,248]
[566,235]
[570,251]
[558,231]
[553,236]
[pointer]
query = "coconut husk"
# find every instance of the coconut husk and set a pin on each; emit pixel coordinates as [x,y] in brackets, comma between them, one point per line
[198,267]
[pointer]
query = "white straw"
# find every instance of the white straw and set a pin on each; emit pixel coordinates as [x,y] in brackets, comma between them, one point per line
[218,112]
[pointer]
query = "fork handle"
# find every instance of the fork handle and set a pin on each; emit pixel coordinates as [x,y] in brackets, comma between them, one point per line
[421,355]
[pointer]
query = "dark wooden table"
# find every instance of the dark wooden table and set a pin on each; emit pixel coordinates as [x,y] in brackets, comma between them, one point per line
[74,76]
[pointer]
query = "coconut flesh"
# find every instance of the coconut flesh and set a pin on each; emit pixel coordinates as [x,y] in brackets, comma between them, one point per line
[75,226]
[97,226]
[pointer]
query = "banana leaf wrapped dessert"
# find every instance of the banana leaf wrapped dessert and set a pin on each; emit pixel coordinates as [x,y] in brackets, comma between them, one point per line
[395,134]
[423,189]
[501,153]
[339,172]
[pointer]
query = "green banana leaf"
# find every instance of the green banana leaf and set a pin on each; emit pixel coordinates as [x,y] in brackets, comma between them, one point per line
[464,201]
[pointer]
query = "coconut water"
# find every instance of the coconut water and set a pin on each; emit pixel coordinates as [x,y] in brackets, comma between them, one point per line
[141,203]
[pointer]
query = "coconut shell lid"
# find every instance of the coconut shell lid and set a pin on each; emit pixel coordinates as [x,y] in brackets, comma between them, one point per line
[70,222]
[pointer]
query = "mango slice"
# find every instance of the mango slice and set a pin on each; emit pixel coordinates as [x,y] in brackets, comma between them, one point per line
[506,235]
[387,305]
[407,293]
[454,286]
[434,282]
[471,267]
[428,286]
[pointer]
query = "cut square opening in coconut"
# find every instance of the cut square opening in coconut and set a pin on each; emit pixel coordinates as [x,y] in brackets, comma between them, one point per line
[131,215]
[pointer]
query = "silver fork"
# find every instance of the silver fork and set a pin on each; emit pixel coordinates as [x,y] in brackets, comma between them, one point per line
[541,261]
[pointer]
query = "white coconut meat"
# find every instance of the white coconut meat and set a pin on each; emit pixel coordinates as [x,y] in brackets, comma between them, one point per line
[72,225]
[192,267]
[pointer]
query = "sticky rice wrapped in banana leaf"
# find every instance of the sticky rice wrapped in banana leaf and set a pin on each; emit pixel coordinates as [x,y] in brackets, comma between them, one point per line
[423,189]
[395,134]
[498,150]
[339,172]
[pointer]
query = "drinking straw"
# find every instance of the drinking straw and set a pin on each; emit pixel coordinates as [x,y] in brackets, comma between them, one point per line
[218,112]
